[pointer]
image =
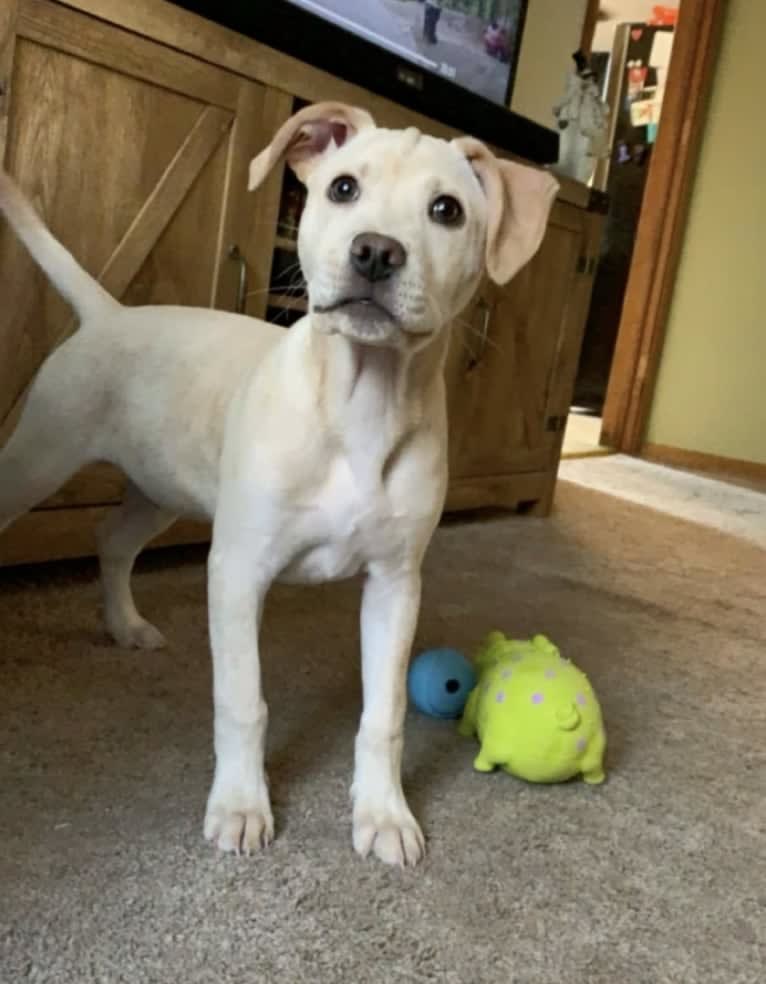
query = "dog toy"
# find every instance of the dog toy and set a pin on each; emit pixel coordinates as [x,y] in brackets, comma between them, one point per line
[439,682]
[535,714]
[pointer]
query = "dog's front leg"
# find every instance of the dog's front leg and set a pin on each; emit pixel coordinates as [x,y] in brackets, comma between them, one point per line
[238,814]
[383,822]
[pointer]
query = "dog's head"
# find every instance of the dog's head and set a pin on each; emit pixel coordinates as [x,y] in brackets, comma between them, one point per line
[398,226]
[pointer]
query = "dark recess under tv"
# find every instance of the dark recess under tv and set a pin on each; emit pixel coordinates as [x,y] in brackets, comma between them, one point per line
[287,28]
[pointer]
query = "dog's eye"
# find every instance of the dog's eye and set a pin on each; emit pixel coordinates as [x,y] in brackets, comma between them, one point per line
[343,189]
[446,210]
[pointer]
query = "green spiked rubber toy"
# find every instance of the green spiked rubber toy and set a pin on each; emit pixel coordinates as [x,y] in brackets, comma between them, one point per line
[534,713]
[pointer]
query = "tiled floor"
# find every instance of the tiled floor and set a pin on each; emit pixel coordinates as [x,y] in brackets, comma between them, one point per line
[582,436]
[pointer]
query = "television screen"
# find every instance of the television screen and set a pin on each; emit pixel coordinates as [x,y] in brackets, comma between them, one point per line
[450,60]
[472,42]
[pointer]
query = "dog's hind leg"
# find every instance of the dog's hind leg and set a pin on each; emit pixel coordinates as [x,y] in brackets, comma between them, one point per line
[48,445]
[121,538]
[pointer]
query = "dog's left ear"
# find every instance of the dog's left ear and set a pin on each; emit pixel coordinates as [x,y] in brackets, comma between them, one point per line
[519,200]
[309,136]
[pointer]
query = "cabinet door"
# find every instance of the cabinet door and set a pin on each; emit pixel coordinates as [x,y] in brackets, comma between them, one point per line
[136,155]
[506,371]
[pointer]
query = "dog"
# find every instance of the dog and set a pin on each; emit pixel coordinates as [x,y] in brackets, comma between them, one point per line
[318,452]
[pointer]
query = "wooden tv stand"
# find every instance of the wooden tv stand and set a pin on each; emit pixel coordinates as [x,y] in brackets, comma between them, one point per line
[132,124]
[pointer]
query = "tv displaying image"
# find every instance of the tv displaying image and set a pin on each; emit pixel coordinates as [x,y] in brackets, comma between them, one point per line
[474,43]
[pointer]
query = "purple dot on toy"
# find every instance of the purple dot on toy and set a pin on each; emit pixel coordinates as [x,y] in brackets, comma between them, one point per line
[582,744]
[537,698]
[506,674]
[581,700]
[550,674]
[500,696]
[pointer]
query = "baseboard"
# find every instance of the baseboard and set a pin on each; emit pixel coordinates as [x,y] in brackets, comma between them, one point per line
[715,464]
[590,453]
[499,491]
[58,534]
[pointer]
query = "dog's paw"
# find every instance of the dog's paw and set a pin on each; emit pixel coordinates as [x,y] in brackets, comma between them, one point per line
[137,635]
[392,834]
[243,825]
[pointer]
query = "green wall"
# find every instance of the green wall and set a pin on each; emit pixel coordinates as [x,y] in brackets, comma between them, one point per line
[711,389]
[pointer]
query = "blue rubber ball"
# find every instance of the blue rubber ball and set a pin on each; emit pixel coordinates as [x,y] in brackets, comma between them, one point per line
[440,681]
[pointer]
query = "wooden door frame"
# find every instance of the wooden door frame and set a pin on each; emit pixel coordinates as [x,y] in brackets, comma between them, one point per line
[590,20]
[661,226]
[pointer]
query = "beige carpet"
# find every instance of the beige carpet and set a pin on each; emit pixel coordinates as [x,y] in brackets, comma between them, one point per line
[700,499]
[656,877]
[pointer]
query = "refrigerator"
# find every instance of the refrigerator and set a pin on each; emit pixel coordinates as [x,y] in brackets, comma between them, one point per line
[632,77]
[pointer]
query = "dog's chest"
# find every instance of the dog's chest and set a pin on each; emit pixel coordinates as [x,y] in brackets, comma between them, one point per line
[348,521]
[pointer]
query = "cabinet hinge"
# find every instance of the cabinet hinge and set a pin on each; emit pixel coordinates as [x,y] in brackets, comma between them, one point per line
[586,264]
[555,424]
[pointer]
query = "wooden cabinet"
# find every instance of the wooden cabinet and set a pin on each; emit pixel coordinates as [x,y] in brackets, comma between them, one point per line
[131,127]
[137,157]
[511,370]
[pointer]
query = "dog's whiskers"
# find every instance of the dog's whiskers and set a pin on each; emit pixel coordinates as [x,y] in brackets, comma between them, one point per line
[484,337]
[296,286]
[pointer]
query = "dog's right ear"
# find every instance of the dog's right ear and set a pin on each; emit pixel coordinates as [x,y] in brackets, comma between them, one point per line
[309,136]
[519,199]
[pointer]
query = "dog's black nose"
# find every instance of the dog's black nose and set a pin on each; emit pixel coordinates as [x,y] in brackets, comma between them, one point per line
[376,257]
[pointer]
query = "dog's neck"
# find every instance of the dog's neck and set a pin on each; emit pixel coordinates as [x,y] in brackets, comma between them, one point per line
[373,398]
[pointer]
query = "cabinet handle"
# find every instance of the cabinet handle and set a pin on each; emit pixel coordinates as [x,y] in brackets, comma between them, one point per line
[235,253]
[478,355]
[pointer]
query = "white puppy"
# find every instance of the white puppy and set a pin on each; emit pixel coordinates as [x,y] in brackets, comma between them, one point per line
[318,452]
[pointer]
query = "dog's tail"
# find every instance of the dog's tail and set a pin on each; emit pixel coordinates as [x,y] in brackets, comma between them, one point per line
[75,284]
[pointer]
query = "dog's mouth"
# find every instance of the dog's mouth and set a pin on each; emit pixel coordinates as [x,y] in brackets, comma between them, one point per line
[365,306]
[364,319]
